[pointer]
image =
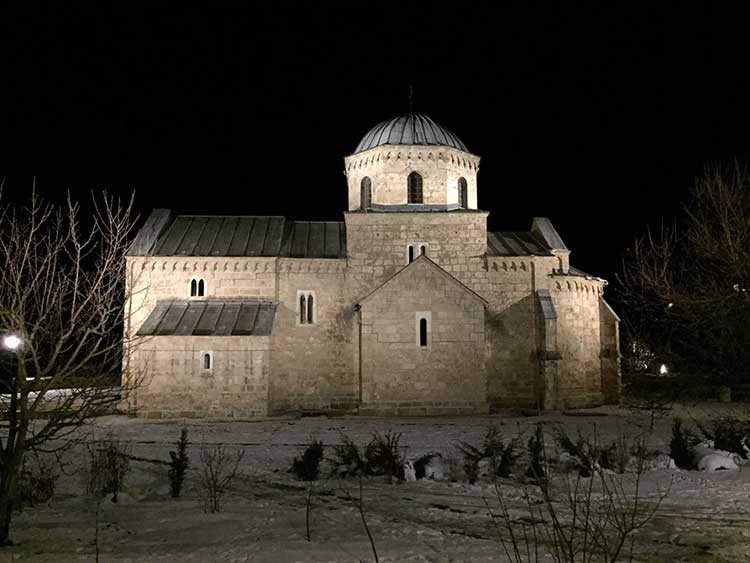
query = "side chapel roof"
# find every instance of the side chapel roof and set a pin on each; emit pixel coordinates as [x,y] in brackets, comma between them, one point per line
[181,317]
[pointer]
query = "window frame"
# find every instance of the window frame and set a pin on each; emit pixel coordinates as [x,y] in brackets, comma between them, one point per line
[365,188]
[197,281]
[419,316]
[415,247]
[202,361]
[463,193]
[309,296]
[414,174]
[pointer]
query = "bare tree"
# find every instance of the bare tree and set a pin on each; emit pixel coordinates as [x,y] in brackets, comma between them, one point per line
[686,290]
[62,295]
[218,471]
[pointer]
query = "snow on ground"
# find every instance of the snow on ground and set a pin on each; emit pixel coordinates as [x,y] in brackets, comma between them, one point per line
[706,516]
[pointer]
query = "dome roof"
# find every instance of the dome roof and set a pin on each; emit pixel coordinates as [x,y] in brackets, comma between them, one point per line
[412,129]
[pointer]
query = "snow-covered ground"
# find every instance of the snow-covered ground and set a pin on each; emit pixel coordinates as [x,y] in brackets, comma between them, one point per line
[706,516]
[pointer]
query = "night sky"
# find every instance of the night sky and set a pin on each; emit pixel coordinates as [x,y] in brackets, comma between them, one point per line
[598,120]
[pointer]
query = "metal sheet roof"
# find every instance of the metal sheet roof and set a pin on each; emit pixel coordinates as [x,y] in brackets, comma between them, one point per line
[409,129]
[248,317]
[516,244]
[196,235]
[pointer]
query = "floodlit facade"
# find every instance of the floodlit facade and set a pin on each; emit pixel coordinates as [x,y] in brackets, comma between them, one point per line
[409,306]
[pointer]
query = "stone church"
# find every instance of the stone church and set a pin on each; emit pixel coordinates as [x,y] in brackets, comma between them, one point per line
[408,306]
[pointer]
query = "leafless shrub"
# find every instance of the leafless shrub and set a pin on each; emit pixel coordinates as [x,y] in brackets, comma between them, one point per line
[109,463]
[37,480]
[218,470]
[575,518]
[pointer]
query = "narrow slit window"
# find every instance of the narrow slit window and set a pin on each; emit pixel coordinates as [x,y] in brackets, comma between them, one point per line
[306,312]
[201,288]
[207,361]
[414,186]
[463,193]
[422,250]
[365,195]
[410,250]
[423,332]
[193,288]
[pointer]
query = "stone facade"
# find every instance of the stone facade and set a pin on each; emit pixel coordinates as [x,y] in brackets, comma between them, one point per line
[508,321]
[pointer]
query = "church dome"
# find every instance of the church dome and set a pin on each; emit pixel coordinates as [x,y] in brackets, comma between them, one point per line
[412,129]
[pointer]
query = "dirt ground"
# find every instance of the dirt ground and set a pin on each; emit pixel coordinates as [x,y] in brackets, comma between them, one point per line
[705,517]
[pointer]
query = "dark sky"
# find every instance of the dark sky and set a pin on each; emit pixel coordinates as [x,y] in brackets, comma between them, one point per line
[598,119]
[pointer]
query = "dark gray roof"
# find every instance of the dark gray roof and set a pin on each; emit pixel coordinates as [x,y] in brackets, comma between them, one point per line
[542,226]
[409,130]
[516,244]
[248,317]
[164,234]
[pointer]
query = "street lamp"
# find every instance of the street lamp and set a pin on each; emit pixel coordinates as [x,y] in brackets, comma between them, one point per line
[12,342]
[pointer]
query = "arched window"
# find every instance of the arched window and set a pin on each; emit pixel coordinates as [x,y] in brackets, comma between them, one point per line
[411,253]
[463,194]
[423,250]
[306,312]
[424,320]
[197,287]
[207,361]
[365,194]
[414,183]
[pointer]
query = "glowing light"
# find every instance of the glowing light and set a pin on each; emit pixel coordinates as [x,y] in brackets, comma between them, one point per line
[669,306]
[663,369]
[12,342]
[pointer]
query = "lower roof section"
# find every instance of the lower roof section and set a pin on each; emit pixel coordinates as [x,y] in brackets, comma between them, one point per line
[180,317]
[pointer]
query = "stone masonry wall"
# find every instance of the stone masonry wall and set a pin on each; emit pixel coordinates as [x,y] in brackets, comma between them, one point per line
[389,166]
[314,366]
[576,300]
[177,385]
[401,377]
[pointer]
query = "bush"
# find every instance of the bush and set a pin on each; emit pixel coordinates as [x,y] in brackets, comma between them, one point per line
[383,456]
[537,456]
[307,467]
[36,482]
[109,463]
[178,464]
[347,461]
[502,456]
[218,470]
[681,445]
[731,433]
[591,457]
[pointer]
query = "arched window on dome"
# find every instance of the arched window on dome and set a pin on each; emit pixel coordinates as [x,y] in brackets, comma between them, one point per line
[414,186]
[365,193]
[463,193]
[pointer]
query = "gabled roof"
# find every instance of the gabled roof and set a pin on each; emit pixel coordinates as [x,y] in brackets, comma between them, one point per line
[424,260]
[166,234]
[516,244]
[246,317]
